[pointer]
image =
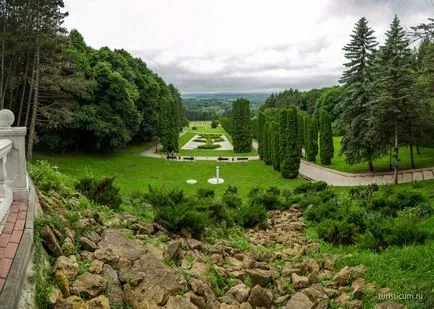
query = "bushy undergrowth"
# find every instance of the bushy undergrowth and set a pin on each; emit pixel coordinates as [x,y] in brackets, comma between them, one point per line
[176,211]
[371,217]
[101,191]
[49,180]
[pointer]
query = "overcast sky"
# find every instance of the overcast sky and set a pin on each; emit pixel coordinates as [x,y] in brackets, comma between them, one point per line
[238,45]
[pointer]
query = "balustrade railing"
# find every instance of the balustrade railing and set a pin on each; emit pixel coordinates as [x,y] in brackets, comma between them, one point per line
[13,175]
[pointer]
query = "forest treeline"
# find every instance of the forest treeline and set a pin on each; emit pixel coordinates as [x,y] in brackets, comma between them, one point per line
[74,97]
[386,100]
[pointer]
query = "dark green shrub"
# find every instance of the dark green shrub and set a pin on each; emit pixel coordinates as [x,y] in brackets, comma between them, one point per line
[315,186]
[175,211]
[403,231]
[269,198]
[252,215]
[337,232]
[209,146]
[390,204]
[204,193]
[326,150]
[194,128]
[231,198]
[214,124]
[424,209]
[101,191]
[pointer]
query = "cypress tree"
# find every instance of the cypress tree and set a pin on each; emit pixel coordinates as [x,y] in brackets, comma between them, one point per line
[356,116]
[291,161]
[276,151]
[312,139]
[271,142]
[301,136]
[325,138]
[265,144]
[261,124]
[283,134]
[241,126]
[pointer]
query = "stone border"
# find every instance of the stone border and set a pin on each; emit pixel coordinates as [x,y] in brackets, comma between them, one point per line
[12,288]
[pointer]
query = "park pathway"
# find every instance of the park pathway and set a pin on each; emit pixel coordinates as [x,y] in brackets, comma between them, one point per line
[311,171]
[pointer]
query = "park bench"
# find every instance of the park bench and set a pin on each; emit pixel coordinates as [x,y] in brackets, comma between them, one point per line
[242,159]
[188,158]
[222,159]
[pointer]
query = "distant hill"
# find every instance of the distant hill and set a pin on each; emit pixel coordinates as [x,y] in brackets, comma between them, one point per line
[228,96]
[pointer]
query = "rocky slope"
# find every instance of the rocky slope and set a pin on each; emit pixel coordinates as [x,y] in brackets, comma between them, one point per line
[122,261]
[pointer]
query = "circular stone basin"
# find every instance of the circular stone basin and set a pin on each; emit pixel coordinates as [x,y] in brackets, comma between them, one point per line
[192,181]
[216,181]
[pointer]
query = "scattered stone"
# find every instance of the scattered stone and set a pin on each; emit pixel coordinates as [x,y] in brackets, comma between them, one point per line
[68,245]
[114,288]
[88,284]
[150,279]
[246,306]
[328,264]
[194,244]
[93,236]
[66,266]
[198,286]
[299,282]
[54,297]
[299,301]
[315,293]
[343,299]
[344,276]
[121,246]
[123,264]
[88,244]
[198,269]
[260,276]
[358,287]
[355,304]
[50,241]
[72,302]
[86,255]
[260,297]
[173,250]
[239,292]
[96,267]
[100,302]
[107,255]
[62,283]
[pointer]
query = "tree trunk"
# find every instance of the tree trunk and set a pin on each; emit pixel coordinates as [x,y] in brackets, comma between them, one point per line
[413,165]
[2,64]
[371,166]
[390,158]
[29,102]
[23,93]
[395,155]
[32,132]
[418,150]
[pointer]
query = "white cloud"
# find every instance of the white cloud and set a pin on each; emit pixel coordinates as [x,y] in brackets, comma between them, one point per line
[221,45]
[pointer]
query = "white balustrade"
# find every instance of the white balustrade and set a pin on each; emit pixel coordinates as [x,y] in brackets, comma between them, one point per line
[13,174]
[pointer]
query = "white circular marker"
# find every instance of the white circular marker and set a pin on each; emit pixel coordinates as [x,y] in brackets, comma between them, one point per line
[192,181]
[216,181]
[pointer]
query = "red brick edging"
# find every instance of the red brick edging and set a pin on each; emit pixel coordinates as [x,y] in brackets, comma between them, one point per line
[10,237]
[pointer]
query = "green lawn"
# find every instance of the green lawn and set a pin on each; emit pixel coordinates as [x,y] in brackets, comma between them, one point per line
[205,127]
[134,172]
[425,159]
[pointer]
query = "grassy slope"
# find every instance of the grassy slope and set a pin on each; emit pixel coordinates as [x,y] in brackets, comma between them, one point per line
[425,159]
[135,173]
[404,270]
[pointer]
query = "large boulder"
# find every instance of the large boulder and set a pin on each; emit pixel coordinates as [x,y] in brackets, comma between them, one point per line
[126,248]
[173,250]
[72,302]
[260,276]
[299,281]
[50,241]
[239,292]
[66,266]
[299,301]
[100,302]
[178,302]
[260,297]
[149,279]
[88,284]
[114,288]
[344,276]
